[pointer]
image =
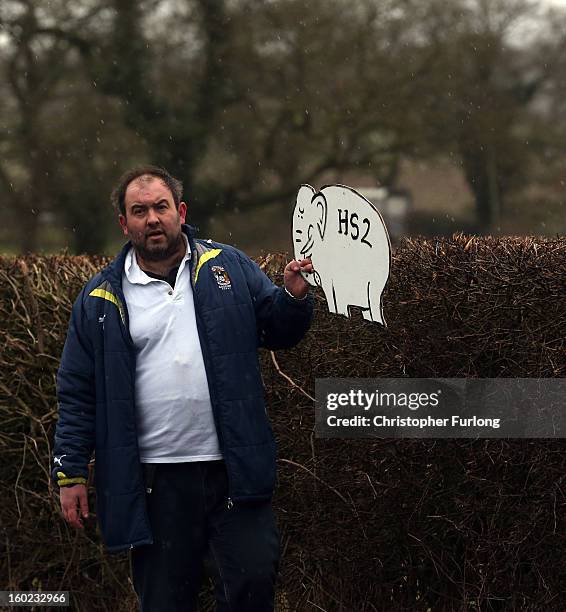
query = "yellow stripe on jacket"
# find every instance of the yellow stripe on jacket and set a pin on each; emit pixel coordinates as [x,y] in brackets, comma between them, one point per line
[106,295]
[204,258]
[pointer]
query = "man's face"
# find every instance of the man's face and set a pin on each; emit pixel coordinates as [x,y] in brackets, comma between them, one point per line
[152,222]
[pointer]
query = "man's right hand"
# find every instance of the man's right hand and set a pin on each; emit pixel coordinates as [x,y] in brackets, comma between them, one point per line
[74,504]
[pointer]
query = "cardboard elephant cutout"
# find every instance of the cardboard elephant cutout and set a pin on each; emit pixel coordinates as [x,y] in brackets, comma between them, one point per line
[345,237]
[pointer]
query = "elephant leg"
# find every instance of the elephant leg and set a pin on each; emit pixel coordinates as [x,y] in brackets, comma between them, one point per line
[340,304]
[335,304]
[374,310]
[328,289]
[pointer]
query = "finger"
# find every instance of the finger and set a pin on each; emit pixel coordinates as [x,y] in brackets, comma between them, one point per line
[83,501]
[71,512]
[74,519]
[65,510]
[307,267]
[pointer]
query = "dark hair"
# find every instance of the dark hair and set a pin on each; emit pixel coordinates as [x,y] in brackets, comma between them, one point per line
[118,195]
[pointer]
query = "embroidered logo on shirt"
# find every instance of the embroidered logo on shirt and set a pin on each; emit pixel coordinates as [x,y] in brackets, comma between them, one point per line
[221,276]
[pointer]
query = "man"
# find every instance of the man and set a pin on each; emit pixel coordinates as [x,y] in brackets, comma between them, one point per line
[160,377]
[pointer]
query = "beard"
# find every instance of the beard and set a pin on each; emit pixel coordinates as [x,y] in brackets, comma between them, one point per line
[158,252]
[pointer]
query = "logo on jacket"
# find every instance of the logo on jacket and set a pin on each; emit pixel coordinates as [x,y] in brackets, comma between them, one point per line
[58,460]
[221,276]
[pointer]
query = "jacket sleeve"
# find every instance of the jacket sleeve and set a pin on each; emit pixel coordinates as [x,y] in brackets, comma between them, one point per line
[282,320]
[76,396]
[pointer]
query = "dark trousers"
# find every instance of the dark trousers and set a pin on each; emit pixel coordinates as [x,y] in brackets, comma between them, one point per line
[190,520]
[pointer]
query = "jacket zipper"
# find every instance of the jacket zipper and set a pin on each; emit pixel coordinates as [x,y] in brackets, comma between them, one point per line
[131,347]
[209,374]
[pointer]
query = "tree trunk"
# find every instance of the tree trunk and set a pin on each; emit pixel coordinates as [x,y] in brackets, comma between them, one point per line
[480,169]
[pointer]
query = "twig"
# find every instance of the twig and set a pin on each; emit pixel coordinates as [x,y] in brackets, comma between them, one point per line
[289,379]
[16,484]
[317,478]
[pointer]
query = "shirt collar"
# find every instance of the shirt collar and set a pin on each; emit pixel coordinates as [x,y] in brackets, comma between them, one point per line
[136,275]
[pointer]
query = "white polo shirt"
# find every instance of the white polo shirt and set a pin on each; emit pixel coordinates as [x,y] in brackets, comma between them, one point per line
[173,411]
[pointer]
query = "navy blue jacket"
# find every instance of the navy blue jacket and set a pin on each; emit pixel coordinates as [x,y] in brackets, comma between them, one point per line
[237,309]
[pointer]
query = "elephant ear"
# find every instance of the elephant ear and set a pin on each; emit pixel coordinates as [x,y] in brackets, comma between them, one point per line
[304,197]
[301,216]
[321,206]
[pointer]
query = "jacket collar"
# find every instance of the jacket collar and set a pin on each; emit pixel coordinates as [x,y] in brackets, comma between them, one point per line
[113,272]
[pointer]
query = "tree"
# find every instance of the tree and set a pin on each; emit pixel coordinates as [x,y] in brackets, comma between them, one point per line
[32,67]
[477,100]
[244,100]
[48,150]
[246,137]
